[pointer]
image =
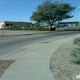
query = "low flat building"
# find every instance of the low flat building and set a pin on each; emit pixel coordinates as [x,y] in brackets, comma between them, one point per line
[11,24]
[76,23]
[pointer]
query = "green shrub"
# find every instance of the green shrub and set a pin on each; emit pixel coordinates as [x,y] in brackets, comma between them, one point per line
[76,54]
[32,29]
[76,41]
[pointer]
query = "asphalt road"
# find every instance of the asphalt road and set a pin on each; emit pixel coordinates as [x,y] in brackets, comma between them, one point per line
[12,43]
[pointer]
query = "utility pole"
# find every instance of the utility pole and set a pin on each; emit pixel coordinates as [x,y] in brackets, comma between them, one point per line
[3,30]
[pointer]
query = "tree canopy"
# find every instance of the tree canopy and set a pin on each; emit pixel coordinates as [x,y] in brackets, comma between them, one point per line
[50,12]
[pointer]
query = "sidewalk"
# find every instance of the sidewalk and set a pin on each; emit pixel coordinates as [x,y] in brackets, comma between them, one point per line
[33,63]
[19,32]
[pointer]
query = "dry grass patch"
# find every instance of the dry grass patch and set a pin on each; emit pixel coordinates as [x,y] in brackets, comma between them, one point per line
[62,65]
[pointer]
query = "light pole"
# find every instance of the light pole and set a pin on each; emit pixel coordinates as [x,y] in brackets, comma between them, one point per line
[79,17]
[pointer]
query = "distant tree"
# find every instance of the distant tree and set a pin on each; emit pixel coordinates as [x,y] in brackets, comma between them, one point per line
[50,12]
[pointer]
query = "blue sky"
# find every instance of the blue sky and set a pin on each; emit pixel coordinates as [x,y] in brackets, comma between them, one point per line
[21,10]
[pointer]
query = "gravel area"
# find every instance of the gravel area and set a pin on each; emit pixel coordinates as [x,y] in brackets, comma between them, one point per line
[62,64]
[4,64]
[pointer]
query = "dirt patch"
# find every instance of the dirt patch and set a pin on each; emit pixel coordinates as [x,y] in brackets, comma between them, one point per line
[62,65]
[4,64]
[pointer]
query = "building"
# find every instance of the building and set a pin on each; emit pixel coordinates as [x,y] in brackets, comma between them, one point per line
[1,24]
[76,23]
[11,24]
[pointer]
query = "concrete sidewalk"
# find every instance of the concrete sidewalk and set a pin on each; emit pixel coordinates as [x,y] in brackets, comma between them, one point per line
[19,32]
[33,63]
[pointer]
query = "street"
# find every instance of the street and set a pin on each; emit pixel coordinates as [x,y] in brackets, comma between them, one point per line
[12,43]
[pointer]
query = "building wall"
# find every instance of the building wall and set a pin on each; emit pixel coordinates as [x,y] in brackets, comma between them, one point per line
[17,24]
[1,24]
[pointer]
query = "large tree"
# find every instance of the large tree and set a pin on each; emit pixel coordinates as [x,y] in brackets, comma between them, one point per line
[50,12]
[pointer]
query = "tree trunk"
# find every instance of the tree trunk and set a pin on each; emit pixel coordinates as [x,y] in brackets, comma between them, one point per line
[50,27]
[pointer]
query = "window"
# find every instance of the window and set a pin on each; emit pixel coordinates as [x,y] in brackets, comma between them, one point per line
[7,24]
[11,24]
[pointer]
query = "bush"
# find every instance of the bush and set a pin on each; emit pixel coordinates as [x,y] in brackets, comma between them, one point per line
[32,29]
[76,54]
[77,41]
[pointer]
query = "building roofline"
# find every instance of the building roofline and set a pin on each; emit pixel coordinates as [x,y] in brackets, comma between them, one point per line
[17,21]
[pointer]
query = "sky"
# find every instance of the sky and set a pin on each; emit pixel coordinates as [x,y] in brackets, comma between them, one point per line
[21,10]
